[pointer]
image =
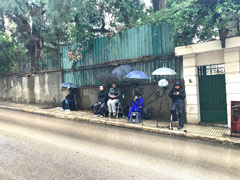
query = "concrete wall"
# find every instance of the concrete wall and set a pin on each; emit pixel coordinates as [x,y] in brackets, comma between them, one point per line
[151,94]
[41,88]
[206,54]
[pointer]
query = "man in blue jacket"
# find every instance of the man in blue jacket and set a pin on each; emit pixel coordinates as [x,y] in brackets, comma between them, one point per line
[178,95]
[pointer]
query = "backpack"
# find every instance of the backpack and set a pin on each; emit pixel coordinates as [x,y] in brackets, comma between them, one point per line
[146,113]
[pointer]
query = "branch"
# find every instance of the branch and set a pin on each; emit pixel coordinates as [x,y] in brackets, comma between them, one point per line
[101,30]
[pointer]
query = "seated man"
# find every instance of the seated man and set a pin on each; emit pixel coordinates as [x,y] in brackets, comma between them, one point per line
[113,95]
[136,106]
[68,100]
[100,105]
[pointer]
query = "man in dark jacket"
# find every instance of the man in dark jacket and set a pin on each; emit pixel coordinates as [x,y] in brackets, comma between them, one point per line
[100,105]
[178,95]
[68,100]
[113,95]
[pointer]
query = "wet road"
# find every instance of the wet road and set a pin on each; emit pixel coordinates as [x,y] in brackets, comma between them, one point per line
[38,147]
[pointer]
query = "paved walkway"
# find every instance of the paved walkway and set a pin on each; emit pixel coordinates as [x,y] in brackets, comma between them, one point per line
[208,133]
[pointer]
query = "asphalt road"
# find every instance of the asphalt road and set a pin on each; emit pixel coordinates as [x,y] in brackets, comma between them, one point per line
[39,147]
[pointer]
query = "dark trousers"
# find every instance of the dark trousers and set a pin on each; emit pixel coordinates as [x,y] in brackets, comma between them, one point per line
[180,106]
[99,108]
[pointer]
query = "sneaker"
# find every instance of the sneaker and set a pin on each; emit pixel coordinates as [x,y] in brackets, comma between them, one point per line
[67,110]
[62,109]
[109,114]
[179,127]
[101,116]
[95,115]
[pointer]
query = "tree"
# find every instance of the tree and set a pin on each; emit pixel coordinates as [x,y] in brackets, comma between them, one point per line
[9,54]
[57,24]
[43,25]
[27,16]
[201,20]
[95,18]
[127,12]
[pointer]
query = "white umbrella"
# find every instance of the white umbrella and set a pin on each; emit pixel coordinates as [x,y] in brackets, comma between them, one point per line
[164,71]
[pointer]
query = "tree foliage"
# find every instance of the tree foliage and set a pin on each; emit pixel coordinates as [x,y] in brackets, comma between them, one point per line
[40,27]
[25,20]
[9,54]
[199,20]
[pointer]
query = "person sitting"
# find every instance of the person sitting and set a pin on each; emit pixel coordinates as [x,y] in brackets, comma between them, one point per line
[113,95]
[100,105]
[68,100]
[136,106]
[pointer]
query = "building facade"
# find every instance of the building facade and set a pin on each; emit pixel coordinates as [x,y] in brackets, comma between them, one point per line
[212,80]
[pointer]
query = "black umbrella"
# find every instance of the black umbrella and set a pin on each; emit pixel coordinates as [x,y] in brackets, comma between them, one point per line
[120,71]
[107,79]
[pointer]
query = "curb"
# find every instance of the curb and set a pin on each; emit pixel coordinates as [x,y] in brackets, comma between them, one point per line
[189,135]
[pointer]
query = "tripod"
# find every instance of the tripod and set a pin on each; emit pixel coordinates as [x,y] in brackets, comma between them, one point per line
[171,122]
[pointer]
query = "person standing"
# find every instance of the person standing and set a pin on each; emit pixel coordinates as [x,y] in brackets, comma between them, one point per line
[100,105]
[178,95]
[113,95]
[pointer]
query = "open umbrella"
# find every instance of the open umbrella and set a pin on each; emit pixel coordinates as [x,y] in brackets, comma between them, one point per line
[104,77]
[127,68]
[164,71]
[137,75]
[120,71]
[68,85]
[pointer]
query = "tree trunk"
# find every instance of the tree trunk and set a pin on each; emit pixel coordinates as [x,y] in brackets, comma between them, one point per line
[19,63]
[223,36]
[58,50]
[2,23]
[31,52]
[36,55]
[158,4]
[238,30]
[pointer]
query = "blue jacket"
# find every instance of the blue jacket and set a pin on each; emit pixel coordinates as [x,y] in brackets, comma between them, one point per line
[136,106]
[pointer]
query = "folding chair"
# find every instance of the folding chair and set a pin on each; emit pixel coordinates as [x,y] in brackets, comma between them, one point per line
[119,110]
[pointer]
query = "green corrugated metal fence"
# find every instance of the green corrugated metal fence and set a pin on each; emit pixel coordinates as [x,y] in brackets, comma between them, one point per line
[149,40]
[89,76]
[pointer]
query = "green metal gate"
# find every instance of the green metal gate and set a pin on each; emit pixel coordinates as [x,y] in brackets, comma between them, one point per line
[212,92]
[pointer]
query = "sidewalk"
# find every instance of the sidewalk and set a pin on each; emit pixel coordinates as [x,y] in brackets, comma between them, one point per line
[200,132]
